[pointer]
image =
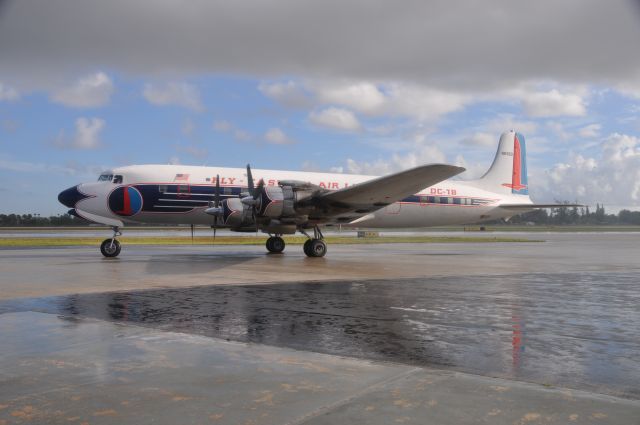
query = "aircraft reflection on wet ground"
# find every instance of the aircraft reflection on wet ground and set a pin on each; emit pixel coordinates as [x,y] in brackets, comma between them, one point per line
[574,330]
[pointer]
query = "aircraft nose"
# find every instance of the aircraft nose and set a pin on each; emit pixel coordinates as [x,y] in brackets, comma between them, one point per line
[70,196]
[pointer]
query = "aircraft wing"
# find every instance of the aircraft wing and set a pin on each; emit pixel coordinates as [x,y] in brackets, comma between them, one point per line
[350,203]
[521,207]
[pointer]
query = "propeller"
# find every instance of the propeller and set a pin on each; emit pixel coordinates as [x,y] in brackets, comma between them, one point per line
[252,200]
[214,209]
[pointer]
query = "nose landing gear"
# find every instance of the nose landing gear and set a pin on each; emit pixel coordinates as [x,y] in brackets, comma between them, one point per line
[111,247]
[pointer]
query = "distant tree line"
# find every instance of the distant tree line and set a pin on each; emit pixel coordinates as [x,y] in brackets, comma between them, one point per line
[576,216]
[36,220]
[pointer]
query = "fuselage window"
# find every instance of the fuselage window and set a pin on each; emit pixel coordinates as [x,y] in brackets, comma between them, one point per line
[424,200]
[184,190]
[162,188]
[117,179]
[227,190]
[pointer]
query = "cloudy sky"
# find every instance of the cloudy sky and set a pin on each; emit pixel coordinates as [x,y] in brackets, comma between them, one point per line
[356,87]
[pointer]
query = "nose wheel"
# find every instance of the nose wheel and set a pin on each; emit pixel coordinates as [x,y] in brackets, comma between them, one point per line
[111,247]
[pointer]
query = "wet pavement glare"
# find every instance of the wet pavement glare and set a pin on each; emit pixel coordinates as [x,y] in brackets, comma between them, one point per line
[574,330]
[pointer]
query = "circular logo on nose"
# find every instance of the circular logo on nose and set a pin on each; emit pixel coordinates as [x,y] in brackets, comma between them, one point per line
[125,201]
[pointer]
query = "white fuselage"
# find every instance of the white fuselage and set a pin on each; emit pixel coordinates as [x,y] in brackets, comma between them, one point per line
[449,202]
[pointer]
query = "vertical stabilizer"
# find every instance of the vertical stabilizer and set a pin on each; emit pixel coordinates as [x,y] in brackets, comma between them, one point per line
[508,173]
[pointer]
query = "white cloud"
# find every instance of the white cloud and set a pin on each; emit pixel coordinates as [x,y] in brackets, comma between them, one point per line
[288,93]
[238,134]
[480,139]
[414,101]
[242,135]
[590,131]
[474,170]
[612,177]
[88,92]
[194,151]
[427,154]
[174,94]
[12,164]
[188,127]
[222,126]
[8,93]
[559,130]
[630,88]
[422,102]
[553,103]
[277,137]
[361,96]
[86,135]
[506,122]
[336,118]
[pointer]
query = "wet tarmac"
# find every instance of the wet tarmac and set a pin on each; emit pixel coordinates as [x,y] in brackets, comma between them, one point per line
[571,330]
[462,326]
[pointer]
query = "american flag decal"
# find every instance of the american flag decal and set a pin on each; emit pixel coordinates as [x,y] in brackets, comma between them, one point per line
[181,178]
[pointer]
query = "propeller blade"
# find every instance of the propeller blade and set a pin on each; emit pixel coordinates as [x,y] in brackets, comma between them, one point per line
[216,202]
[258,190]
[192,234]
[250,180]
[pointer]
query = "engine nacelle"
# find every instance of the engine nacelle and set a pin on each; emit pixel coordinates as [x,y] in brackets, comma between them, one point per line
[236,214]
[277,201]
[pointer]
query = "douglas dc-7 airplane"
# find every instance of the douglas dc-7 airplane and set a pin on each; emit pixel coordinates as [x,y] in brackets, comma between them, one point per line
[286,202]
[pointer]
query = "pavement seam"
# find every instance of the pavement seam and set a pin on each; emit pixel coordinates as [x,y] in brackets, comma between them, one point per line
[371,388]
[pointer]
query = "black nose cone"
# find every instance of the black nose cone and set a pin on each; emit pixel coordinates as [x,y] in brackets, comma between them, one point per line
[69,197]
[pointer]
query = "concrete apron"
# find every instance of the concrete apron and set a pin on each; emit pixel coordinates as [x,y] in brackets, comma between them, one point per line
[65,370]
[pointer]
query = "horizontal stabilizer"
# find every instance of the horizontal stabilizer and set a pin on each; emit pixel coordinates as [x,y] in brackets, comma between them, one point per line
[520,207]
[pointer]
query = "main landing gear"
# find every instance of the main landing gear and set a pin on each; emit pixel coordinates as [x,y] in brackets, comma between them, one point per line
[111,247]
[275,244]
[315,247]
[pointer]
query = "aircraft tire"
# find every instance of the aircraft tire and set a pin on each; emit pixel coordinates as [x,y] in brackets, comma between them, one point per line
[275,244]
[317,248]
[109,250]
[307,247]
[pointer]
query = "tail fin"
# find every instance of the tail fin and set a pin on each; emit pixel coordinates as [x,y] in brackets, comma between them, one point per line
[508,173]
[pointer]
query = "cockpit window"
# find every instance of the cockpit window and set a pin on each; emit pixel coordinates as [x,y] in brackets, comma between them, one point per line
[105,177]
[117,179]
